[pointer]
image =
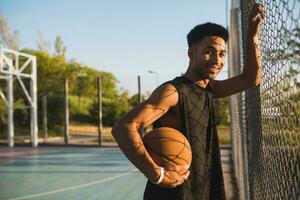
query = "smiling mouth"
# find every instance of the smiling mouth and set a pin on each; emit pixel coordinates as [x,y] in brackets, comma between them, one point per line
[214,69]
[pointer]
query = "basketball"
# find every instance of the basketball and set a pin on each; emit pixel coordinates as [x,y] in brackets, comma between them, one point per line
[168,147]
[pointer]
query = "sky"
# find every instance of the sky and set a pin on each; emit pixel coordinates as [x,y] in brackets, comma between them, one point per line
[127,38]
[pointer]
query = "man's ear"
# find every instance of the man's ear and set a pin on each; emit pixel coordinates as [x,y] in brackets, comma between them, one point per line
[190,53]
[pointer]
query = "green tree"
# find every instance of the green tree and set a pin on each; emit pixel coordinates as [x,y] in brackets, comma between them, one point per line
[134,99]
[287,56]
[222,111]
[112,108]
[60,49]
[3,121]
[43,44]
[51,71]
[10,40]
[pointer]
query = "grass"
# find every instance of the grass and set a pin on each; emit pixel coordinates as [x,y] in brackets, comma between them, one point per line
[88,129]
[224,135]
[92,130]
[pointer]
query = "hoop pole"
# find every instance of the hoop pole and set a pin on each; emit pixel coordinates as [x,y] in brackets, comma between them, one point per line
[34,119]
[10,111]
[66,109]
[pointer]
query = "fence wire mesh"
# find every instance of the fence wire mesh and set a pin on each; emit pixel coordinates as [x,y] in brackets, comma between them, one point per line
[265,120]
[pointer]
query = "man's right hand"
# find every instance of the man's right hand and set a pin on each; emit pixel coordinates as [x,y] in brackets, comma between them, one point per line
[175,176]
[257,15]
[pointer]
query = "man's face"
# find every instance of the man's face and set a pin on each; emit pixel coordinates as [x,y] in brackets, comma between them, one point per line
[208,56]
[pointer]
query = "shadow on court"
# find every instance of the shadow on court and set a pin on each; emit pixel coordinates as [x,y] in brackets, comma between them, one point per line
[76,173]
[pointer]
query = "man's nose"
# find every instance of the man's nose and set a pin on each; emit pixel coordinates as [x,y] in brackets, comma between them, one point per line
[216,59]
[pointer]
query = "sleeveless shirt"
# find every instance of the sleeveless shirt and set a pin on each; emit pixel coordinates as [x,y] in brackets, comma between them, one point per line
[205,181]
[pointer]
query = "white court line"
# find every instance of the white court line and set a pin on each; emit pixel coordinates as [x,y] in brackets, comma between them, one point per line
[73,187]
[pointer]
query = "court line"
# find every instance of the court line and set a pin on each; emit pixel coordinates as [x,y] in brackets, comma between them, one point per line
[73,187]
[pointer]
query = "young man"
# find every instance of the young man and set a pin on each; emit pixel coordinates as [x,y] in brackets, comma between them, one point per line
[185,104]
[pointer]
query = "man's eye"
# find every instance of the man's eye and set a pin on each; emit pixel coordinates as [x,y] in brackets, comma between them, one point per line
[222,54]
[209,52]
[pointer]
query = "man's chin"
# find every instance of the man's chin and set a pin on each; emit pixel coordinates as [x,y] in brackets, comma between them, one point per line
[212,76]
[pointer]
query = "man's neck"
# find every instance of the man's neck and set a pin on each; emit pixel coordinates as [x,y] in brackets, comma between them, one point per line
[199,81]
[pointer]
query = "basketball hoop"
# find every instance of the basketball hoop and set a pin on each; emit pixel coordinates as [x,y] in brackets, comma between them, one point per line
[10,69]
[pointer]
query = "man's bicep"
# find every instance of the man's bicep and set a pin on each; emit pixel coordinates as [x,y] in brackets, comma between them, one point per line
[144,114]
[153,108]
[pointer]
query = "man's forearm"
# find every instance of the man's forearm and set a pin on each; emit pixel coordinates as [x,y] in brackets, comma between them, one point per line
[252,67]
[132,146]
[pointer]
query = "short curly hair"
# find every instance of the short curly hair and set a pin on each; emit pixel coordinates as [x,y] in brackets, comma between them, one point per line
[207,29]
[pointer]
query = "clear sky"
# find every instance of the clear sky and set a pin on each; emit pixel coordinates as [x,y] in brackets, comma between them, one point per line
[125,37]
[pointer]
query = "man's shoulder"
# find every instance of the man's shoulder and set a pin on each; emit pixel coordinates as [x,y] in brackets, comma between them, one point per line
[165,88]
[166,93]
[176,83]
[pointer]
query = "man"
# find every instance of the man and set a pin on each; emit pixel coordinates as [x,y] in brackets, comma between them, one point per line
[185,104]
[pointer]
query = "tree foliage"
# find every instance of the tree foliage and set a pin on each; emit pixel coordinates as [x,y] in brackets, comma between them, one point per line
[8,39]
[43,44]
[53,69]
[134,99]
[287,58]
[221,106]
[60,49]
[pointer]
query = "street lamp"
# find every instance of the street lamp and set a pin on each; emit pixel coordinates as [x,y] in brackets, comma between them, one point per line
[156,75]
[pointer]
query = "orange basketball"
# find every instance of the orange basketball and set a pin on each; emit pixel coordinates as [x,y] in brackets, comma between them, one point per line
[168,147]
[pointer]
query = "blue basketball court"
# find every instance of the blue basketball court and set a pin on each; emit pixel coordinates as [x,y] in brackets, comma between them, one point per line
[68,173]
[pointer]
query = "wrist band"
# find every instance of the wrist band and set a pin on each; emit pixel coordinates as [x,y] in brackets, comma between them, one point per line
[161,176]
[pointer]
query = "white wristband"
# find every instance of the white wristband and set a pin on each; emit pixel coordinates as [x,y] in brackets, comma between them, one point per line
[161,176]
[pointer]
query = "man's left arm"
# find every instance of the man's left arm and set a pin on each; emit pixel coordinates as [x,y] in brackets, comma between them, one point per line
[251,75]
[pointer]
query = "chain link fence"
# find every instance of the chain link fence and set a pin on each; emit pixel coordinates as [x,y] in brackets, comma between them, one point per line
[265,120]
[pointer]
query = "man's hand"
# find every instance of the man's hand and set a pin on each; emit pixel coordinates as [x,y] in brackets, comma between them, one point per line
[256,17]
[175,176]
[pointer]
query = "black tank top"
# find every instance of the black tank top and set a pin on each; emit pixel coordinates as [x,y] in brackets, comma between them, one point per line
[206,178]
